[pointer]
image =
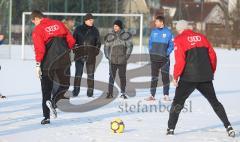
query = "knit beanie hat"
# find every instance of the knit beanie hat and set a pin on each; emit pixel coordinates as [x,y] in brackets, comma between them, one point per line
[88,16]
[118,23]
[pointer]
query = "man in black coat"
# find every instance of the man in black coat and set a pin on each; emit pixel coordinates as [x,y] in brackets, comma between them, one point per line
[88,46]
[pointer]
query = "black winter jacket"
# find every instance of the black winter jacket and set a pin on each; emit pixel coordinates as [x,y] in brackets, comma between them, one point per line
[57,54]
[87,42]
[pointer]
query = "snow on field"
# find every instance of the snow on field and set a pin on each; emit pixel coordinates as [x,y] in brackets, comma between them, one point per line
[20,113]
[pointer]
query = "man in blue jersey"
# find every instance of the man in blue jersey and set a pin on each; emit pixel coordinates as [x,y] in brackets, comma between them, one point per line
[160,48]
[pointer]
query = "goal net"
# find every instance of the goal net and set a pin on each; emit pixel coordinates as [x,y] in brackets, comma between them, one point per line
[133,23]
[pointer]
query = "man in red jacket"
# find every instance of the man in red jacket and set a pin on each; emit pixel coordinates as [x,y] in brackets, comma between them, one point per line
[52,41]
[195,64]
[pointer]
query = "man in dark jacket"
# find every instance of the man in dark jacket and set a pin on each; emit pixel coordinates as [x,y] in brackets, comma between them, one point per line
[1,41]
[88,46]
[117,49]
[52,41]
[194,69]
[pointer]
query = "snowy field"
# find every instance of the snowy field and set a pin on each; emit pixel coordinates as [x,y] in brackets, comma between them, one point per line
[20,113]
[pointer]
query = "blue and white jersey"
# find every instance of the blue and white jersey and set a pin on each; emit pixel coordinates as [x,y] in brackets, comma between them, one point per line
[160,43]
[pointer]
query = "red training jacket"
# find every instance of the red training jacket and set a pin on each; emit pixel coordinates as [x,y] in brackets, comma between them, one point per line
[45,31]
[191,62]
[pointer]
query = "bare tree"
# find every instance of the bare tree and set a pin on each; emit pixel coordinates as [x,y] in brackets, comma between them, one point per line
[235,17]
[228,32]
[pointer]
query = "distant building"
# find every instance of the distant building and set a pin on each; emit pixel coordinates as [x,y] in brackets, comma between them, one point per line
[204,16]
[135,7]
[201,14]
[231,4]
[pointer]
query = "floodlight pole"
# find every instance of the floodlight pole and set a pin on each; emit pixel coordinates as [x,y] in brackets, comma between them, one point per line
[23,35]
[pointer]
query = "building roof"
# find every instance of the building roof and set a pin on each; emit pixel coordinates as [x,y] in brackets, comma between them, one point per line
[139,6]
[172,3]
[194,12]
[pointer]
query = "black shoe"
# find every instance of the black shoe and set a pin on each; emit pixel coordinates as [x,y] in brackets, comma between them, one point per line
[74,94]
[2,97]
[230,131]
[124,96]
[170,132]
[45,121]
[90,92]
[109,95]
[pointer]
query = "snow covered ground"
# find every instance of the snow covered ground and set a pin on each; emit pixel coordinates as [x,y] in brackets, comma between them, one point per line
[20,113]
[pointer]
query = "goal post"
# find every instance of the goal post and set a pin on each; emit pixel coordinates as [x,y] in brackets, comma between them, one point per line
[24,14]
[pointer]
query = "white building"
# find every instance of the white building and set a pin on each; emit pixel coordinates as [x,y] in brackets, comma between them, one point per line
[231,3]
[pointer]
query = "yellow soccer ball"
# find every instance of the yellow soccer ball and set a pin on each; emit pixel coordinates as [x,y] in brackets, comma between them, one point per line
[117,126]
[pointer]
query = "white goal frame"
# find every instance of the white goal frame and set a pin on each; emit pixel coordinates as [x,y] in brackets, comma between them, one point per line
[82,14]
